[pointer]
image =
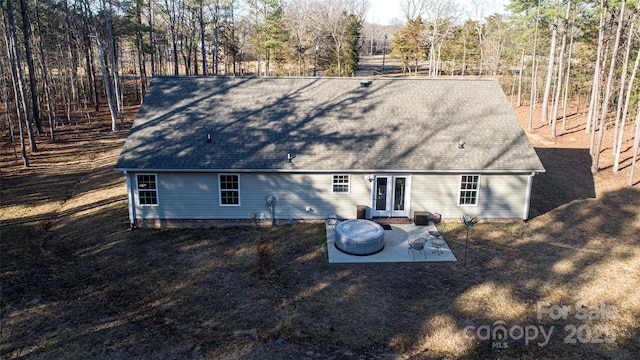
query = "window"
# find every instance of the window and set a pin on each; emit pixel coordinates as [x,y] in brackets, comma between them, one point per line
[147,189]
[469,189]
[229,189]
[341,184]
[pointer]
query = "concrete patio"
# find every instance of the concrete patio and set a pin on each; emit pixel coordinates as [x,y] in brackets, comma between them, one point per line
[396,248]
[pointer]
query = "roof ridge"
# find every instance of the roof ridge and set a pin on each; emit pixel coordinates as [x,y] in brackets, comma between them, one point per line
[322,78]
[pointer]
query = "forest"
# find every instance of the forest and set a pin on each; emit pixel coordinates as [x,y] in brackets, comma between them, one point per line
[558,58]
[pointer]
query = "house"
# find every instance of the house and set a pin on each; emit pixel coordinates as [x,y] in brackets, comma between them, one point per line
[246,148]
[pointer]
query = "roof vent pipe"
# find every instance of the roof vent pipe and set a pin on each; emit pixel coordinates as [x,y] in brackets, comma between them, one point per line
[365,82]
[208,138]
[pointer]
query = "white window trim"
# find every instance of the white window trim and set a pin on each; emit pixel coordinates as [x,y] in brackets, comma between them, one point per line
[333,184]
[220,190]
[138,190]
[476,190]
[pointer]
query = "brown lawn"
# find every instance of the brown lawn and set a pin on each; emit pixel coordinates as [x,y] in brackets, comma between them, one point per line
[77,283]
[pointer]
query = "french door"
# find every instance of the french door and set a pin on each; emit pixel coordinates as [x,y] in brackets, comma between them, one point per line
[391,195]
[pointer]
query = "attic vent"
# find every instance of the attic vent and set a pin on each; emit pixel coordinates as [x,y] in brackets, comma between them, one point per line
[365,82]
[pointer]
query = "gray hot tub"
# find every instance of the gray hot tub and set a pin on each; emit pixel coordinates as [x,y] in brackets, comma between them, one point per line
[359,237]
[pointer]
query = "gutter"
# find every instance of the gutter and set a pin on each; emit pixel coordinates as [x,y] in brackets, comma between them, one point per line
[331,171]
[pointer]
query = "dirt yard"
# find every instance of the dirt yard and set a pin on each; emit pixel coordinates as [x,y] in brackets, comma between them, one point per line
[77,283]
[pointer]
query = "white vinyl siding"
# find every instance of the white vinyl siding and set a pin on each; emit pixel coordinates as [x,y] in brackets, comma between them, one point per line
[196,196]
[147,190]
[502,195]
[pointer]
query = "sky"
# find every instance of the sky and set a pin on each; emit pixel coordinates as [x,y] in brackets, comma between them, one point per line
[383,11]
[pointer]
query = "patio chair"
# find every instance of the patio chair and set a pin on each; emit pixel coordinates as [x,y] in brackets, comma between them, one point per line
[437,241]
[417,245]
[334,220]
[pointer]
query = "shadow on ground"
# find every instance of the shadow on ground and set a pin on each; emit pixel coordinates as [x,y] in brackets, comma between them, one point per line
[567,178]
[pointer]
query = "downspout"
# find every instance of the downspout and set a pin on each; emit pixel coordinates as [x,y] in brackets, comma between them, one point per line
[132,210]
[527,200]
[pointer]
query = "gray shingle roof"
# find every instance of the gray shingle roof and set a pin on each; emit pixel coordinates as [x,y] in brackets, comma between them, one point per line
[329,124]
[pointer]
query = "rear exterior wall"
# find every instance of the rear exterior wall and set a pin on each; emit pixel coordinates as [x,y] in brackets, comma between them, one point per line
[309,196]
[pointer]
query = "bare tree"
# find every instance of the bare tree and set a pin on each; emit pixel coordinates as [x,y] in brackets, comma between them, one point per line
[413,8]
[619,122]
[173,10]
[26,31]
[607,91]
[623,112]
[116,101]
[18,83]
[520,74]
[549,78]
[7,110]
[137,15]
[556,102]
[105,71]
[45,77]
[595,85]
[566,79]
[636,145]
[440,15]
[300,27]
[333,18]
[478,12]
[152,45]
[534,66]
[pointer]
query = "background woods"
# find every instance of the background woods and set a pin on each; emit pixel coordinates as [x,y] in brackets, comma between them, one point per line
[67,59]
[76,283]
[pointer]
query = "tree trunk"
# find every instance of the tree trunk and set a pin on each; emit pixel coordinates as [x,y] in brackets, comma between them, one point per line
[556,102]
[141,62]
[217,49]
[74,97]
[520,74]
[114,68]
[616,162]
[595,86]
[205,68]
[93,82]
[105,71]
[172,14]
[481,48]
[532,100]
[549,78]
[26,30]
[463,69]
[151,42]
[7,111]
[566,82]
[19,81]
[14,77]
[607,91]
[623,79]
[636,145]
[45,77]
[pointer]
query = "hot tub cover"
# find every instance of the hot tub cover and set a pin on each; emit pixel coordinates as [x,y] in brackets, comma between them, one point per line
[359,237]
